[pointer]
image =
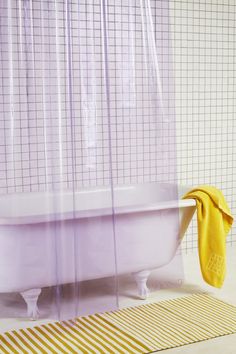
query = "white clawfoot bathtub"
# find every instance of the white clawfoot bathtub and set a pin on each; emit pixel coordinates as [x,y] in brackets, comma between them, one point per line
[142,212]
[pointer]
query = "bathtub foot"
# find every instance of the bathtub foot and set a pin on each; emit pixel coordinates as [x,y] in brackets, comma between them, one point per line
[31,298]
[141,280]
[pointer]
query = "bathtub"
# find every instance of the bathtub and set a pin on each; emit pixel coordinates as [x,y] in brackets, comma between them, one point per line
[30,223]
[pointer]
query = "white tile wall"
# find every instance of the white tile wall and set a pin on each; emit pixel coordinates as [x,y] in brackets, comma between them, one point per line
[203,48]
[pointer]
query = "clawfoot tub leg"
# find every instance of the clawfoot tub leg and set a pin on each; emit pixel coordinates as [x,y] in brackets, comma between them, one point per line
[31,298]
[141,280]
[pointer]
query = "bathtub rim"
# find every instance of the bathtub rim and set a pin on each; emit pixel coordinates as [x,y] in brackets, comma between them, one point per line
[61,215]
[95,213]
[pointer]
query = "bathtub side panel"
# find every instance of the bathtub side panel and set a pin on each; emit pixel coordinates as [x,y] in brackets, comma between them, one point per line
[26,257]
[150,240]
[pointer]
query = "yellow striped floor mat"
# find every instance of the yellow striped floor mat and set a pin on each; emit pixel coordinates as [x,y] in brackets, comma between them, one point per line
[143,329]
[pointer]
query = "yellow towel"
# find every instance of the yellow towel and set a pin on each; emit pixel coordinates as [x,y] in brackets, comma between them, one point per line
[214,222]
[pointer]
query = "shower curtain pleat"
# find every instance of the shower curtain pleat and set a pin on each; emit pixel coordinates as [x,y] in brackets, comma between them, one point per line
[85,108]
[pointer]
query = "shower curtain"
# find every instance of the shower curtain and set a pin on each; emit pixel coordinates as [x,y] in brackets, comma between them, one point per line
[87,103]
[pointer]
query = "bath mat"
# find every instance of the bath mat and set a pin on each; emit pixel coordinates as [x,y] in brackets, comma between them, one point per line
[143,329]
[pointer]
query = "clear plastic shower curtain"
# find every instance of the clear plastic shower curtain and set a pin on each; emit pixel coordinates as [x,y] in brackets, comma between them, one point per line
[87,115]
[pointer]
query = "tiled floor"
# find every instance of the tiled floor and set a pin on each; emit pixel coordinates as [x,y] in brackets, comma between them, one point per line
[193,284]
